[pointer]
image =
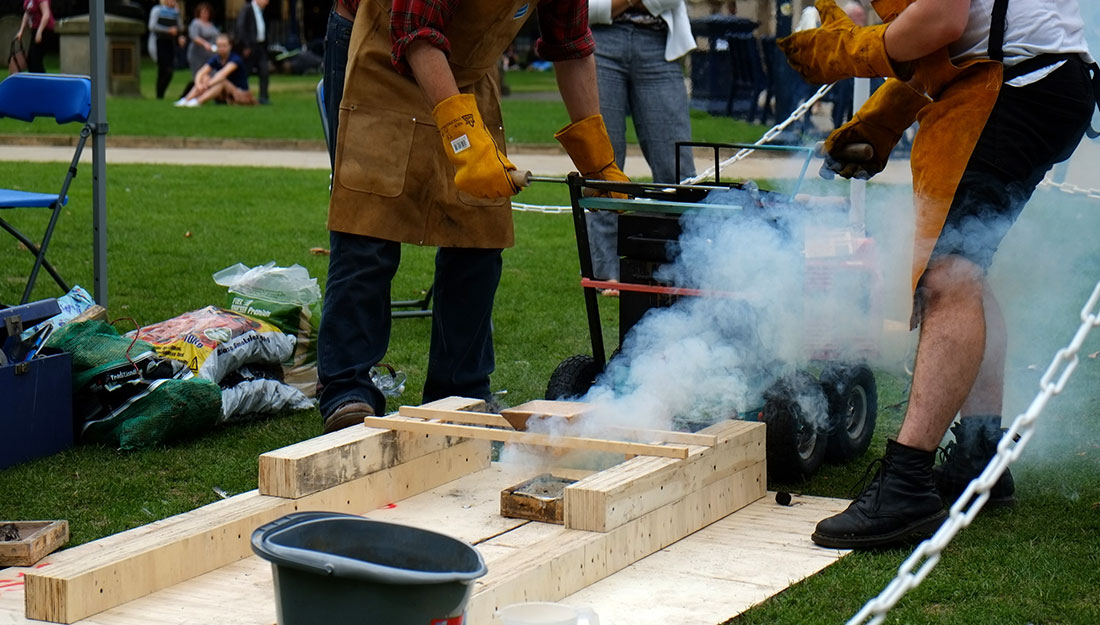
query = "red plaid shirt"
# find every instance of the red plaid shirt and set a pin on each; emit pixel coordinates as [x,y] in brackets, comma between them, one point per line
[563,24]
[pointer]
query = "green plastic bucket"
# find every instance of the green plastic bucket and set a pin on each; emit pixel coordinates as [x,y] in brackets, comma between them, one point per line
[343,569]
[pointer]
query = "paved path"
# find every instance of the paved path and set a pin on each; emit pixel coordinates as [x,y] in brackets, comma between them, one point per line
[547,162]
[541,162]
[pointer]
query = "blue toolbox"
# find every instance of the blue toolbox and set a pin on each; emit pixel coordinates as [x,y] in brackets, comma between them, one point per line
[36,411]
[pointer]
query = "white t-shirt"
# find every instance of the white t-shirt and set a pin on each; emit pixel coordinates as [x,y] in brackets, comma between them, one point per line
[1032,28]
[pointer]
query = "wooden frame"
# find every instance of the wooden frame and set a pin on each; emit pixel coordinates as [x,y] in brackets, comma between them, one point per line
[637,507]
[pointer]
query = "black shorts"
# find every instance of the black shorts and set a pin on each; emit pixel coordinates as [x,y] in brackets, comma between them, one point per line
[1029,130]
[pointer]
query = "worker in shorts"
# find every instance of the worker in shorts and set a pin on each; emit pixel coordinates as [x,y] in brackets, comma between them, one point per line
[1002,90]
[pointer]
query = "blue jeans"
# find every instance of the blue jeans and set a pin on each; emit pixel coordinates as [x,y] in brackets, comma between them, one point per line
[634,77]
[355,321]
[337,40]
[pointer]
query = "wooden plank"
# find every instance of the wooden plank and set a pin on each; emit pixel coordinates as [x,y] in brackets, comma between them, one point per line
[456,403]
[568,410]
[108,572]
[620,494]
[462,417]
[527,438]
[564,562]
[332,459]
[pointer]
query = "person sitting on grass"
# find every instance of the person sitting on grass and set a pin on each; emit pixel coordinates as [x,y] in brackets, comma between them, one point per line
[223,78]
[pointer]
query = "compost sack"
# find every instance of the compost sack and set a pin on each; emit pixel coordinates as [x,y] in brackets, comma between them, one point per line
[213,341]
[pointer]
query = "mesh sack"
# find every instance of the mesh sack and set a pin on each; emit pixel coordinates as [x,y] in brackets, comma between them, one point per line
[166,410]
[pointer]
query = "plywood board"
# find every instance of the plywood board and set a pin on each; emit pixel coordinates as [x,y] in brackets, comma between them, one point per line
[719,571]
[109,572]
[569,410]
[620,494]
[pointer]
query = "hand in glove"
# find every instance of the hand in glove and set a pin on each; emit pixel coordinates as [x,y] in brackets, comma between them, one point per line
[588,145]
[877,126]
[480,168]
[840,49]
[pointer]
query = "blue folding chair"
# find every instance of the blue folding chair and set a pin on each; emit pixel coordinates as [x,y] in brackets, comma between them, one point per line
[66,99]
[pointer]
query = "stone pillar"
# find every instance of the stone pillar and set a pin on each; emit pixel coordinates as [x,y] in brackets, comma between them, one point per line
[124,40]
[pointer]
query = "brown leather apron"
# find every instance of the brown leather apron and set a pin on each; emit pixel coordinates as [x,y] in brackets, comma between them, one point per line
[962,98]
[392,180]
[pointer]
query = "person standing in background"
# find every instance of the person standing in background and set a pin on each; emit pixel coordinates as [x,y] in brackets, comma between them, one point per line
[164,26]
[252,41]
[201,34]
[639,44]
[37,15]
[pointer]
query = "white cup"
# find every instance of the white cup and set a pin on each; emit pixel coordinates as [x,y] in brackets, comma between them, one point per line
[543,613]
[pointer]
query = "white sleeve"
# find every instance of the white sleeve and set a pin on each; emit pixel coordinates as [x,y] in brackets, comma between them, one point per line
[657,7]
[599,11]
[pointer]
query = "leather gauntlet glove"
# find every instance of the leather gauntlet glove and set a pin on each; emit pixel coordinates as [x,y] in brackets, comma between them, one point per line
[480,168]
[880,122]
[840,49]
[588,145]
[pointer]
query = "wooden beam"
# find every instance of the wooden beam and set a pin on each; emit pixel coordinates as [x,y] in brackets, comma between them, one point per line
[105,573]
[527,438]
[632,489]
[568,410]
[461,417]
[554,565]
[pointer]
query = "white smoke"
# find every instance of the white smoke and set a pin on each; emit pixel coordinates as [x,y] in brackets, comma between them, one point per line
[784,286]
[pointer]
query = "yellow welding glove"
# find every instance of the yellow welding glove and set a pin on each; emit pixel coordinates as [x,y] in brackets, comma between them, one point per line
[880,122]
[588,145]
[840,49]
[481,169]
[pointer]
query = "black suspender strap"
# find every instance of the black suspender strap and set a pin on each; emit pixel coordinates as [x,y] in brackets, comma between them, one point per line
[997,30]
[1095,69]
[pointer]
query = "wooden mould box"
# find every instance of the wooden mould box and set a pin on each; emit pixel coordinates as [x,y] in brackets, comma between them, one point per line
[664,490]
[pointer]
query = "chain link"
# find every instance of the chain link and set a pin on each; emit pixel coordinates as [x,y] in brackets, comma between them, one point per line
[1072,189]
[768,136]
[520,207]
[966,508]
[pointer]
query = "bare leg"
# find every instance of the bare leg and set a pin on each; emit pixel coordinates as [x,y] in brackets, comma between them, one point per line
[987,396]
[949,354]
[212,93]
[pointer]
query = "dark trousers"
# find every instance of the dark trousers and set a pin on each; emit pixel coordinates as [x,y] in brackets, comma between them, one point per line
[258,63]
[36,52]
[166,63]
[355,321]
[1030,129]
[337,40]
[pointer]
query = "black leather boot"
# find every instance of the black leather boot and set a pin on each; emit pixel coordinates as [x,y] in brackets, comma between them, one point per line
[899,505]
[966,457]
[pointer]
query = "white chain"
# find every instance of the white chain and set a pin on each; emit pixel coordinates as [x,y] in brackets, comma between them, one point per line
[768,136]
[927,554]
[537,208]
[1072,189]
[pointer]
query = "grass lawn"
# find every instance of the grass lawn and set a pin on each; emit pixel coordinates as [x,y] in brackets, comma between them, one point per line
[1036,563]
[294,114]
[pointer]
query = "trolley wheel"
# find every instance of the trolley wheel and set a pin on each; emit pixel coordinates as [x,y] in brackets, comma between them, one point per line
[853,410]
[572,377]
[797,433]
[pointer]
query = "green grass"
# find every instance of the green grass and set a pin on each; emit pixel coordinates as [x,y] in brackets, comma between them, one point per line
[1037,563]
[294,115]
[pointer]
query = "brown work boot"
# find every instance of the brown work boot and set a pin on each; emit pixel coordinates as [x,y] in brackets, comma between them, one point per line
[347,415]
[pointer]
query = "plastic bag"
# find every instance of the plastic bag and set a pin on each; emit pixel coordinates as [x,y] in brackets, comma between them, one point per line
[213,341]
[289,299]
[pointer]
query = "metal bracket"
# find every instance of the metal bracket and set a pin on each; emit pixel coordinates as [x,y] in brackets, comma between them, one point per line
[22,368]
[13,325]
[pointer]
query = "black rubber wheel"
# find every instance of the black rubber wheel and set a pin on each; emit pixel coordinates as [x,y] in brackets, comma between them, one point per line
[853,410]
[796,414]
[572,377]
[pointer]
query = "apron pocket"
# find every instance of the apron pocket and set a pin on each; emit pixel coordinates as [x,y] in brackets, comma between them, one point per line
[373,155]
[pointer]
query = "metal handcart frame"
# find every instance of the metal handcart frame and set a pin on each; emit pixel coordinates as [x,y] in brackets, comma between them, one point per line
[795,448]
